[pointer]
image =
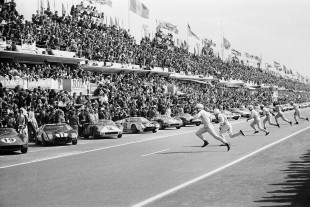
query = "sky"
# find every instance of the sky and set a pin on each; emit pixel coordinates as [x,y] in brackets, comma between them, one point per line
[276,30]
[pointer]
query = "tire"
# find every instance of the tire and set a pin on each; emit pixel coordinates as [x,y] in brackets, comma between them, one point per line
[183,123]
[154,130]
[93,134]
[178,127]
[37,142]
[74,142]
[198,124]
[119,136]
[161,125]
[24,150]
[134,129]
[44,143]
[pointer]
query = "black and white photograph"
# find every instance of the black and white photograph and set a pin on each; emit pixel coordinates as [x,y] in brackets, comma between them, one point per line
[154,103]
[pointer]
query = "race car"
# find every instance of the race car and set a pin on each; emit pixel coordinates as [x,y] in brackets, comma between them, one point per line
[10,140]
[242,112]
[56,133]
[188,119]
[167,122]
[103,128]
[138,124]
[231,115]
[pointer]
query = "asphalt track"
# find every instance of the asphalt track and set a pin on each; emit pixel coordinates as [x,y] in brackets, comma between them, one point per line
[168,168]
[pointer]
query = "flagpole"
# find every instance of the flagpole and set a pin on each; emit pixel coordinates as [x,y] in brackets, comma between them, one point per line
[128,15]
[222,41]
[187,43]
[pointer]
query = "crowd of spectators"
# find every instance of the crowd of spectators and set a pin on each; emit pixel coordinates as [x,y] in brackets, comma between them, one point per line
[84,31]
[119,95]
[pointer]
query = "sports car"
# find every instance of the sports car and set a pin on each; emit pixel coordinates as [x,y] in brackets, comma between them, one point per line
[10,140]
[103,128]
[138,124]
[231,115]
[188,119]
[242,112]
[167,122]
[56,133]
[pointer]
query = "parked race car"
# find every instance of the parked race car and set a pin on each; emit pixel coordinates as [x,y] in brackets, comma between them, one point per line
[56,133]
[188,119]
[10,140]
[242,112]
[230,115]
[103,128]
[167,122]
[138,124]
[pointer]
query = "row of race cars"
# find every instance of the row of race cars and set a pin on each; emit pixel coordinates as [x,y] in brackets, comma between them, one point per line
[10,140]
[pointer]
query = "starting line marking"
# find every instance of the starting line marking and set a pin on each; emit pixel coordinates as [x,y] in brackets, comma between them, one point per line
[154,152]
[102,148]
[172,190]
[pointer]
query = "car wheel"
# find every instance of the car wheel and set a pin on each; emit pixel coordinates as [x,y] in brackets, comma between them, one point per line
[154,130]
[24,150]
[119,136]
[198,124]
[93,134]
[134,129]
[43,141]
[74,142]
[178,127]
[183,123]
[161,125]
[37,142]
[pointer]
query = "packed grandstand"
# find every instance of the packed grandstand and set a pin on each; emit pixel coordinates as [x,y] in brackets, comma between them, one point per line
[109,76]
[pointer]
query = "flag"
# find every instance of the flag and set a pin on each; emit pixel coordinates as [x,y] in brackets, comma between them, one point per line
[207,42]
[105,2]
[137,7]
[63,9]
[226,43]
[167,26]
[235,52]
[276,64]
[190,33]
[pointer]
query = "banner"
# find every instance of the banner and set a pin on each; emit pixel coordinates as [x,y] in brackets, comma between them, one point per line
[137,7]
[167,26]
[12,83]
[48,83]
[28,46]
[75,85]
[105,2]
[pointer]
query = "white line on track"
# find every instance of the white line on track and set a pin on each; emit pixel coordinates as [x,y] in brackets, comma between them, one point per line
[154,152]
[102,148]
[172,190]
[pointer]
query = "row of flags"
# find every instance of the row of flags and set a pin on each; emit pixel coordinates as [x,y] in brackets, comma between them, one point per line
[143,11]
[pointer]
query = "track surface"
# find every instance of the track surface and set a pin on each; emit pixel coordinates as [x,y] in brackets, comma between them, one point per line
[134,169]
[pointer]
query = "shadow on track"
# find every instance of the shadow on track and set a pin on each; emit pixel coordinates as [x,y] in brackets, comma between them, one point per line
[295,191]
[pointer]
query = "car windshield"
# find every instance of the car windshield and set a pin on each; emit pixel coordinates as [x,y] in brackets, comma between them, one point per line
[64,127]
[227,112]
[184,114]
[6,131]
[105,121]
[140,119]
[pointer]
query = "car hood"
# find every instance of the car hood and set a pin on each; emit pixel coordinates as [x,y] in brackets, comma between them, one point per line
[11,140]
